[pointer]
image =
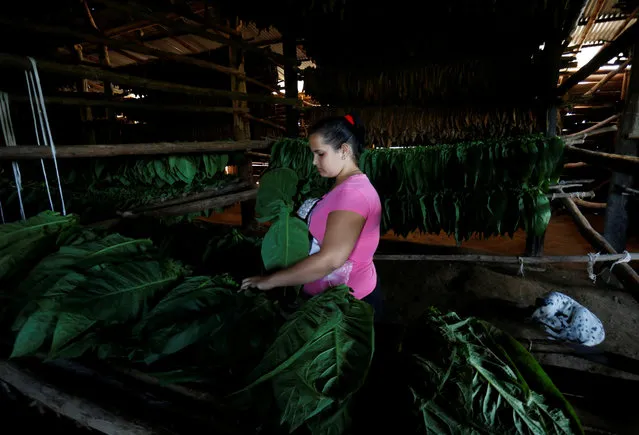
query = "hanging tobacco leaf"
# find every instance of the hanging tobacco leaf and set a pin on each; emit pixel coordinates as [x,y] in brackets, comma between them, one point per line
[286,242]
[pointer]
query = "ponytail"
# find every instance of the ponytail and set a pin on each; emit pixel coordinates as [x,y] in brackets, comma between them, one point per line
[338,130]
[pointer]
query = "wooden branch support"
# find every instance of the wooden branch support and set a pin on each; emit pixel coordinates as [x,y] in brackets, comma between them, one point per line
[580,139]
[625,273]
[588,204]
[503,259]
[614,162]
[594,127]
[84,412]
[130,104]
[29,152]
[263,121]
[197,206]
[84,71]
[607,78]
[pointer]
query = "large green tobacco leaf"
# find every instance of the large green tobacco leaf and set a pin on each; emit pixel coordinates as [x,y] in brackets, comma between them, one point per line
[71,258]
[26,241]
[68,327]
[464,382]
[34,333]
[277,188]
[321,355]
[285,243]
[114,291]
[186,315]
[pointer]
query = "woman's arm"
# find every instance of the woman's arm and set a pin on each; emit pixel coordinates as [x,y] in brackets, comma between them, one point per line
[342,231]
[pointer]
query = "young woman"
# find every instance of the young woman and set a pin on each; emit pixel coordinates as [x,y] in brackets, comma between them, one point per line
[344,223]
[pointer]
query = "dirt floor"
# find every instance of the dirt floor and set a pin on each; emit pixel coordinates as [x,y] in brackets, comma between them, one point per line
[590,377]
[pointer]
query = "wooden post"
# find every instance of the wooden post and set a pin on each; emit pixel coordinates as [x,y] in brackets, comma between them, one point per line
[289,47]
[554,48]
[86,114]
[616,222]
[241,124]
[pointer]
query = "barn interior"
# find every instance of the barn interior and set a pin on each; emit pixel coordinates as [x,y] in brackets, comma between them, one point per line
[502,138]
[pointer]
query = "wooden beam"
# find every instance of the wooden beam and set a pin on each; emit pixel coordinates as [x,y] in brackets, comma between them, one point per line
[606,78]
[82,411]
[624,272]
[93,73]
[617,220]
[504,259]
[263,121]
[132,46]
[200,205]
[30,152]
[604,55]
[142,12]
[614,162]
[235,186]
[129,104]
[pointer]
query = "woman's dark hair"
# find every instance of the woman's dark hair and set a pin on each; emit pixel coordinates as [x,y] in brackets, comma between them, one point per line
[338,130]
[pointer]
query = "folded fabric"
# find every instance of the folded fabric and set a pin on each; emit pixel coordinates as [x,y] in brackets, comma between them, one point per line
[567,320]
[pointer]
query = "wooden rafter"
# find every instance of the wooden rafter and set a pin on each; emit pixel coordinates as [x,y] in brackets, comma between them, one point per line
[30,152]
[132,46]
[83,71]
[143,13]
[129,104]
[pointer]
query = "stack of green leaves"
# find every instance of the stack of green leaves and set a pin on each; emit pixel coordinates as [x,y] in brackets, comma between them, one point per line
[484,188]
[493,384]
[318,361]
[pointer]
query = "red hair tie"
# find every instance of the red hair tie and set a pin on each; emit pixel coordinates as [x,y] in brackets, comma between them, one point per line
[350,119]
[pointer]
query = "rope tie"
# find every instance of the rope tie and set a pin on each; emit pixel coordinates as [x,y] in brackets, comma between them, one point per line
[592,259]
[521,266]
[625,259]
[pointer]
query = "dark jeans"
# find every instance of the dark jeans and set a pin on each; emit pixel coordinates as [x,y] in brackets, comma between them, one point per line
[376,300]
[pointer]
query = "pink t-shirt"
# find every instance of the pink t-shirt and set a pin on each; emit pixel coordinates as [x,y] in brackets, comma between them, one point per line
[356,194]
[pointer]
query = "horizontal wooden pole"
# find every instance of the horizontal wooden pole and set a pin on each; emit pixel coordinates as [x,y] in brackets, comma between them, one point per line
[604,55]
[82,411]
[571,195]
[624,272]
[593,128]
[471,258]
[124,44]
[589,204]
[197,206]
[94,73]
[129,104]
[28,152]
[264,121]
[235,186]
[614,162]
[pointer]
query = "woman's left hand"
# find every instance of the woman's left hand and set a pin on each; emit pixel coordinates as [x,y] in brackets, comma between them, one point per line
[258,282]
